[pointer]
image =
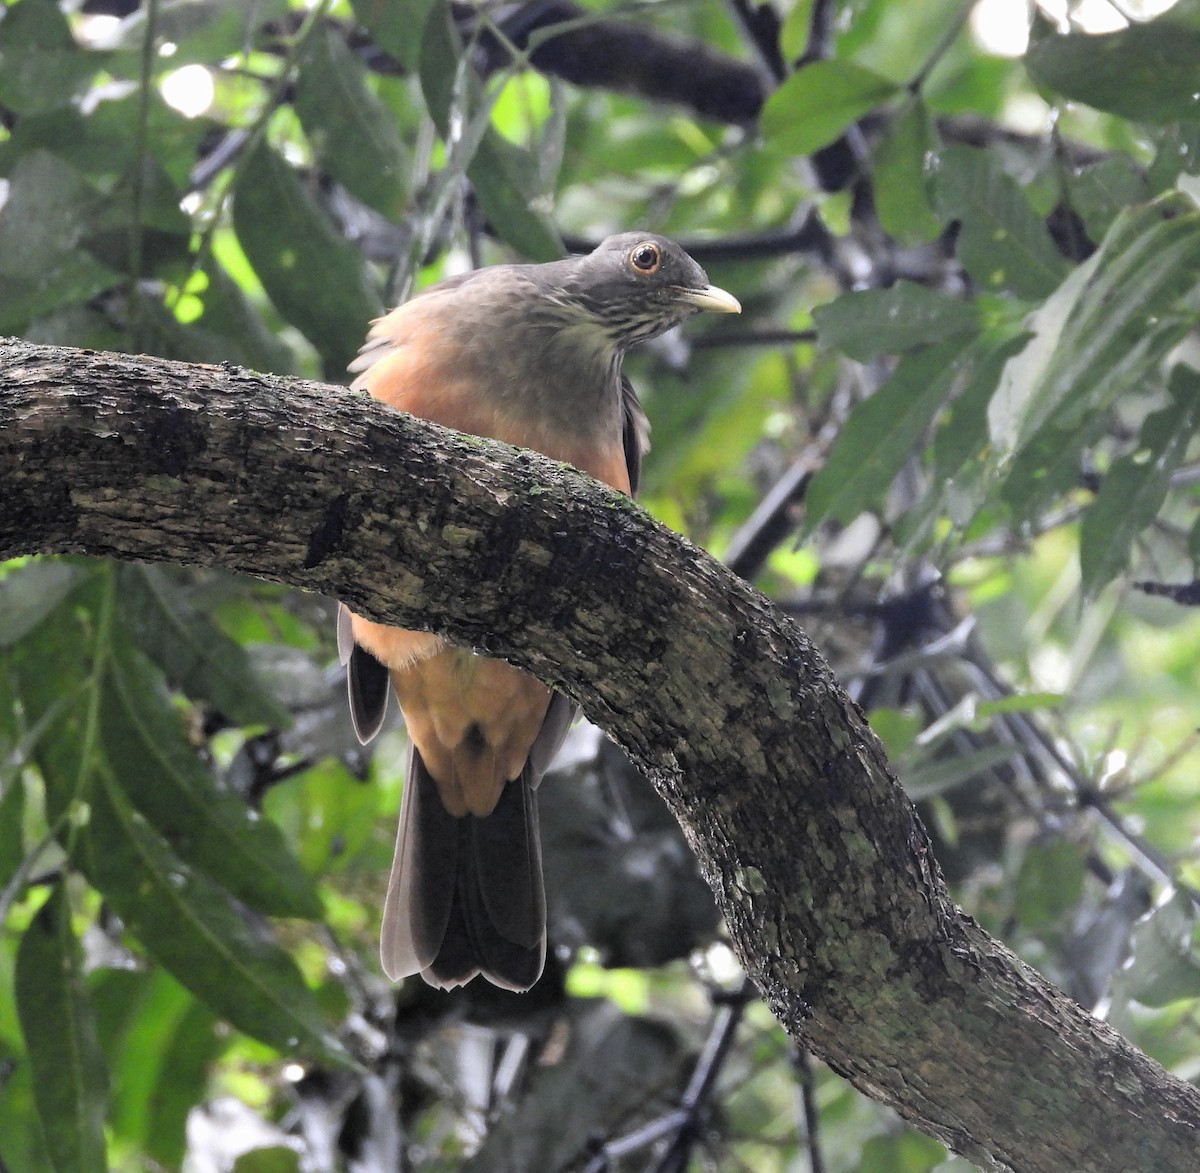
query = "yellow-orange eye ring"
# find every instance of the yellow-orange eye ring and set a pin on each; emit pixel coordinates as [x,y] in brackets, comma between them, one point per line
[646,258]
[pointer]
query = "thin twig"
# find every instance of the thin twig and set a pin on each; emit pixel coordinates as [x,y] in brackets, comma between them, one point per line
[704,1076]
[140,155]
[953,27]
[821,26]
[761,25]
[681,1123]
[747,338]
[811,1116]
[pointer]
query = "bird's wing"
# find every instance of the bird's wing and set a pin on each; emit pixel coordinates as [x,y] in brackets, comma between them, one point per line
[636,433]
[366,678]
[563,712]
[389,328]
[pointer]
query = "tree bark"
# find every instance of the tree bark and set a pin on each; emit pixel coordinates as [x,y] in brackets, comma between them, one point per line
[824,874]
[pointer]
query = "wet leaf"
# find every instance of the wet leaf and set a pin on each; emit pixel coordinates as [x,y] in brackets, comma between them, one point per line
[887,321]
[1135,487]
[353,133]
[882,432]
[194,929]
[193,652]
[211,828]
[1003,243]
[901,189]
[317,281]
[69,1075]
[818,102]
[1146,72]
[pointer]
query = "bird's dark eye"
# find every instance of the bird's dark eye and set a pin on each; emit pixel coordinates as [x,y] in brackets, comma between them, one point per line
[646,257]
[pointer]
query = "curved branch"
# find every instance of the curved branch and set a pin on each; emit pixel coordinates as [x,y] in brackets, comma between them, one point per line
[824,875]
[566,40]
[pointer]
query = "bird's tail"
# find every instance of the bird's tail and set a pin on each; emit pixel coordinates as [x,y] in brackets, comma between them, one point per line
[465,894]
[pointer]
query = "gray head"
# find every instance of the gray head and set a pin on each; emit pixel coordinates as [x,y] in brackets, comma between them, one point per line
[634,286]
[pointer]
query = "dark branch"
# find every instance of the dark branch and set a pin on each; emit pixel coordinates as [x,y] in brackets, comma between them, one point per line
[1186,594]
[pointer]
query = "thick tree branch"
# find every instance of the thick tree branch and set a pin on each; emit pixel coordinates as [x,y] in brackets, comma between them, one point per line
[825,877]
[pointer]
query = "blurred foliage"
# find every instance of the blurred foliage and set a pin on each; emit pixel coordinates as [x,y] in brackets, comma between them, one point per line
[953,432]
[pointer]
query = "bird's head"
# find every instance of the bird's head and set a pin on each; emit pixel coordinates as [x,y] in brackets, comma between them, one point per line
[637,285]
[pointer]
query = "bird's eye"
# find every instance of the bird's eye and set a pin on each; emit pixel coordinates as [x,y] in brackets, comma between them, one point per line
[646,258]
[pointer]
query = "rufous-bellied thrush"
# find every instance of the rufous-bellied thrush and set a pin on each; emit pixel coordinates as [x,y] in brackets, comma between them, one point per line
[529,354]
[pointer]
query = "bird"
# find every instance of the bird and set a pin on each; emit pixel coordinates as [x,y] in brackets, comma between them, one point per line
[530,354]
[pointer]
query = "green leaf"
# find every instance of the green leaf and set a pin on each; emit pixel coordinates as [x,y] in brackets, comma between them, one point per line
[1178,153]
[903,1149]
[1049,885]
[886,321]
[925,779]
[31,592]
[274,1159]
[796,30]
[43,265]
[1046,468]
[328,812]
[504,176]
[43,67]
[1021,702]
[395,26]
[505,181]
[353,134]
[105,708]
[196,655]
[963,438]
[52,669]
[1002,241]
[69,1076]
[160,1042]
[21,1139]
[1136,485]
[1099,193]
[901,189]
[1016,396]
[1184,13]
[1164,956]
[317,281]
[898,729]
[1106,329]
[882,431]
[183,1078]
[210,828]
[101,146]
[12,821]
[191,926]
[964,472]
[818,102]
[202,31]
[1146,72]
[230,328]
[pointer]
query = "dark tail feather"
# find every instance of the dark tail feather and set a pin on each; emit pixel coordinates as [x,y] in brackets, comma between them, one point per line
[498,923]
[366,680]
[466,894]
[424,870]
